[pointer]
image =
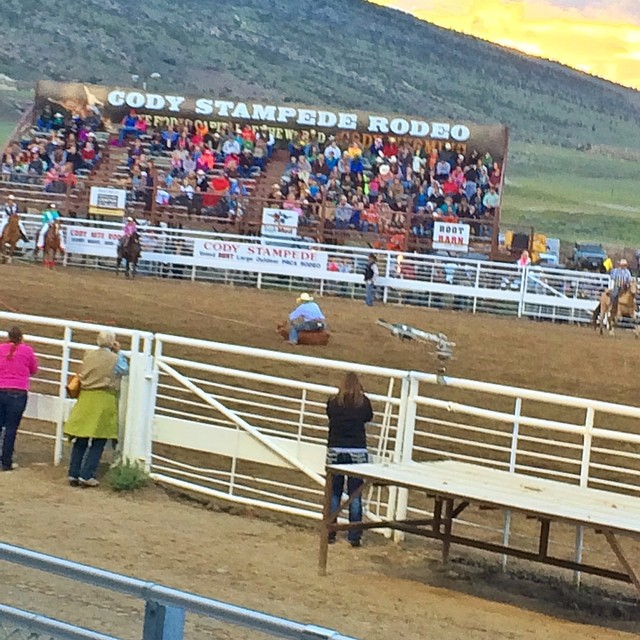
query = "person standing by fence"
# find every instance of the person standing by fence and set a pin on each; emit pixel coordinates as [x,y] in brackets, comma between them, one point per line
[348,413]
[94,418]
[17,364]
[370,277]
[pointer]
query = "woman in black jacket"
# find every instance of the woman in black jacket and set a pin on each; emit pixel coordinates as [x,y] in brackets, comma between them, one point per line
[348,412]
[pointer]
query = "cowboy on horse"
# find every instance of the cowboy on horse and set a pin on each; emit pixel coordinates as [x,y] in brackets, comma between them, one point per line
[620,281]
[11,209]
[49,216]
[130,229]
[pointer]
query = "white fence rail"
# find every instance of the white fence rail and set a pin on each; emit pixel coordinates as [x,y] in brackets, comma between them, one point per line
[422,280]
[249,426]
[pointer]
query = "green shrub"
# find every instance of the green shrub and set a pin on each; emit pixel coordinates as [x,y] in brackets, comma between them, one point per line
[127,475]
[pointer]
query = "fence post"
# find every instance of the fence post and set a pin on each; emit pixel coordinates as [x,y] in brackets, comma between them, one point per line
[513,458]
[584,482]
[62,394]
[135,446]
[162,622]
[404,442]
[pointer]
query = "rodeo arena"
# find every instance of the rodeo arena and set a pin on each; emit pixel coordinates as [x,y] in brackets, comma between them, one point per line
[395,212]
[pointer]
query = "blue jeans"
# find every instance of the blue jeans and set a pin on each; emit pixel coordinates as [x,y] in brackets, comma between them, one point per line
[85,457]
[310,325]
[355,508]
[12,406]
[370,294]
[124,131]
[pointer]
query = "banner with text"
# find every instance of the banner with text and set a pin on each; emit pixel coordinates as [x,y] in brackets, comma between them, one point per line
[164,108]
[450,236]
[260,258]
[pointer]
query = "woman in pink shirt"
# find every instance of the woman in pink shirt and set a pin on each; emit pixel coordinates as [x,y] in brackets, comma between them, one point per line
[17,364]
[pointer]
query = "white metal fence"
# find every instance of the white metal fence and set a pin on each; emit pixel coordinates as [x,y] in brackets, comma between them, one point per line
[422,280]
[248,425]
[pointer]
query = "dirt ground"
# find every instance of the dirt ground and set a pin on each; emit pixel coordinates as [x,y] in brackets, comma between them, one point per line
[374,592]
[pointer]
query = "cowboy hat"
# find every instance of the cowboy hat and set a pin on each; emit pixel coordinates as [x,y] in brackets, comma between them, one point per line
[130,219]
[11,197]
[305,297]
[623,262]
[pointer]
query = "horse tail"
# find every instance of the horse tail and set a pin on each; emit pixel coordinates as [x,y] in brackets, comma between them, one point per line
[596,315]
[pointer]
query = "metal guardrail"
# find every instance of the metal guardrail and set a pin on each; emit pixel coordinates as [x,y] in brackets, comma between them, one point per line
[165,608]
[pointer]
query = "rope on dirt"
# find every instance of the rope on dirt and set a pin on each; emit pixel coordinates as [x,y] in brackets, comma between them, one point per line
[8,306]
[194,311]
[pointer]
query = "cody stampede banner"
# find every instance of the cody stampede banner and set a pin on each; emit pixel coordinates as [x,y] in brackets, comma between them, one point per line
[163,108]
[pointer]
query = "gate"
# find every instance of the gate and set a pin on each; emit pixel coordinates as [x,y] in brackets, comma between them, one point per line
[223,428]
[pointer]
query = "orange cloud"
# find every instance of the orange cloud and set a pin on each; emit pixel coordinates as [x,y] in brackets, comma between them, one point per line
[603,38]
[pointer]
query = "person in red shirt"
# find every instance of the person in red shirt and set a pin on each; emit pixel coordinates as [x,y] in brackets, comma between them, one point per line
[450,187]
[390,148]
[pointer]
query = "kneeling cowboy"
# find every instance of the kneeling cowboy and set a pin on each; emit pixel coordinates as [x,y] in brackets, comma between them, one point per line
[307,316]
[620,281]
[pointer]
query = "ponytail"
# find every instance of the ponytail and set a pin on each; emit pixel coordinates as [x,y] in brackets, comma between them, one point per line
[15,338]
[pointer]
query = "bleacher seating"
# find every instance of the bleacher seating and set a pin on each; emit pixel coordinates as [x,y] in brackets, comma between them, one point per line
[386,195]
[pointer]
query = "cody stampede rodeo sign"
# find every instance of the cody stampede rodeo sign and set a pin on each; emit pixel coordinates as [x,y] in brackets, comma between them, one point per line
[167,108]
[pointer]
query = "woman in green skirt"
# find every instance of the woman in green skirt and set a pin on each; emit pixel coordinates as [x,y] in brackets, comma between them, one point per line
[94,418]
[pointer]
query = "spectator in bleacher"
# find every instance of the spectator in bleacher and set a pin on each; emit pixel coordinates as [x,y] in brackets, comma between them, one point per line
[156,146]
[245,164]
[129,126]
[57,122]
[343,213]
[491,201]
[45,121]
[443,170]
[231,146]
[88,155]
[36,165]
[170,138]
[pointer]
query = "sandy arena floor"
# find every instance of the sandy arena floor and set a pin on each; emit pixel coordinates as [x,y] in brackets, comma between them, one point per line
[377,592]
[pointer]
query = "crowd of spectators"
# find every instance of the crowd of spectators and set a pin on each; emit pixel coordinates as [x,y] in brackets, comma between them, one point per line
[207,170]
[57,149]
[389,187]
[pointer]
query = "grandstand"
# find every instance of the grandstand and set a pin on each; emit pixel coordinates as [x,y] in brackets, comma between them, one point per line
[355,185]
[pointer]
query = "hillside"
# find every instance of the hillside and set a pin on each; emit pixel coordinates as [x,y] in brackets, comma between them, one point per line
[347,54]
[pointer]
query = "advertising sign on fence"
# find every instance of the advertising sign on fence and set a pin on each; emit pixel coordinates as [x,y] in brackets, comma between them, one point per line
[93,242]
[451,236]
[222,254]
[103,243]
[280,222]
[105,201]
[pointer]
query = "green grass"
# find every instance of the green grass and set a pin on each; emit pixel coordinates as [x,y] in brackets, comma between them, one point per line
[573,195]
[5,131]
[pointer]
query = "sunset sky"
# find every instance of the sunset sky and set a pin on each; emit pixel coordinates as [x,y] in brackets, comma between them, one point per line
[601,37]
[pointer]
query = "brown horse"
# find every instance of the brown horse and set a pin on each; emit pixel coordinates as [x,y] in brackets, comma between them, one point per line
[129,250]
[313,338]
[607,314]
[52,245]
[10,238]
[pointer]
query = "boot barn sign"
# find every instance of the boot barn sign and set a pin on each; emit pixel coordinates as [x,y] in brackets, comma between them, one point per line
[162,109]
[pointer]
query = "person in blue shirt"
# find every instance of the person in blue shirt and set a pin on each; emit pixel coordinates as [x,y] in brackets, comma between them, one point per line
[307,316]
[49,216]
[620,280]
